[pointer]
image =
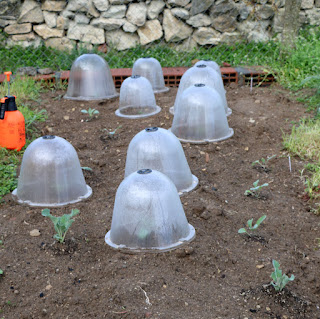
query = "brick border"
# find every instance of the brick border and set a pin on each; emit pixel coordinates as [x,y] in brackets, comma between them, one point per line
[172,76]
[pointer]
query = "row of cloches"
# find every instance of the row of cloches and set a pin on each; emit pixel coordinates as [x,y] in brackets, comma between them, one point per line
[148,214]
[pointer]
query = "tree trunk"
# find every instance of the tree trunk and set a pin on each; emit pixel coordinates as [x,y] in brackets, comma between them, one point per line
[291,23]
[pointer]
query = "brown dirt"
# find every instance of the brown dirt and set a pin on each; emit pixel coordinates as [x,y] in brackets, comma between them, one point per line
[221,274]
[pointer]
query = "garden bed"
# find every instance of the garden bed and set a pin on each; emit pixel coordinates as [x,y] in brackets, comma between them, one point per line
[221,274]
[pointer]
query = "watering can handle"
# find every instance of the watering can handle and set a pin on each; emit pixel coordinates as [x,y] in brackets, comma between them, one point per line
[2,108]
[8,73]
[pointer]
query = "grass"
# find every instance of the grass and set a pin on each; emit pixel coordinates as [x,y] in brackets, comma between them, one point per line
[25,90]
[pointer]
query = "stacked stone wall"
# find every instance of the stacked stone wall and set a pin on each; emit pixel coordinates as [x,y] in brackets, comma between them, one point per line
[124,24]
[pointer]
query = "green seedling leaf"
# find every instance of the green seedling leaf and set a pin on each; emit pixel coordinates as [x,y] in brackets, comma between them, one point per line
[255,184]
[260,220]
[279,280]
[85,168]
[242,231]
[61,224]
[249,223]
[1,272]
[84,111]
[250,227]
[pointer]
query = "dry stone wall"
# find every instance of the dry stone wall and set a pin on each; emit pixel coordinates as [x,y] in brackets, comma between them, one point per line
[124,24]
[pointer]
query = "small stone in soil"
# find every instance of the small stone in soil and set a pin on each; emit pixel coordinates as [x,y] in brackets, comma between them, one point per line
[35,233]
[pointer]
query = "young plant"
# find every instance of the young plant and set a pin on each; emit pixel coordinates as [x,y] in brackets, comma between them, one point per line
[279,280]
[91,113]
[112,134]
[263,162]
[250,227]
[255,190]
[1,272]
[61,224]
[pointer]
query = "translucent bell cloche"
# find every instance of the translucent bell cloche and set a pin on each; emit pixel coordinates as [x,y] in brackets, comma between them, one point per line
[200,116]
[90,79]
[150,68]
[212,64]
[137,98]
[159,149]
[148,215]
[206,75]
[50,174]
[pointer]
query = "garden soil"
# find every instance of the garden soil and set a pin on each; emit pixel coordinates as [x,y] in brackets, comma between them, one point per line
[220,274]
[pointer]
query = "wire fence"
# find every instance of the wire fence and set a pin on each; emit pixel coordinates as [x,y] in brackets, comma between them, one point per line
[53,34]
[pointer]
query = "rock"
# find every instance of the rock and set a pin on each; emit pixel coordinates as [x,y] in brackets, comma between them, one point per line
[115,12]
[230,37]
[24,37]
[81,19]
[121,40]
[224,7]
[86,33]
[317,3]
[79,5]
[129,27]
[255,31]
[35,233]
[199,6]
[174,29]
[244,11]
[307,4]
[56,6]
[120,1]
[4,8]
[101,5]
[278,21]
[204,36]
[205,215]
[48,287]
[186,46]
[30,12]
[199,20]
[108,24]
[155,8]
[137,13]
[62,23]
[265,12]
[224,23]
[150,32]
[5,22]
[180,3]
[37,42]
[45,32]
[66,117]
[18,28]
[50,19]
[67,14]
[279,3]
[84,46]
[180,13]
[313,16]
[45,71]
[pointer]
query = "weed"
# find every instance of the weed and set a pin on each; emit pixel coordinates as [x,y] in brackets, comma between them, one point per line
[279,280]
[91,113]
[255,190]
[250,227]
[263,162]
[61,224]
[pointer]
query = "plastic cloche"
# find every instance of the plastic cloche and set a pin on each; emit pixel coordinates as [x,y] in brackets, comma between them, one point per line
[200,117]
[159,149]
[148,215]
[212,64]
[137,98]
[50,174]
[150,68]
[206,75]
[90,79]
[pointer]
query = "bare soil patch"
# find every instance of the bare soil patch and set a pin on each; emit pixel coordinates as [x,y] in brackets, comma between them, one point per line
[221,274]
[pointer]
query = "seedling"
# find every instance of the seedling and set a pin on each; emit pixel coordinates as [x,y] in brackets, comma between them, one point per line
[250,227]
[263,162]
[279,280]
[86,168]
[113,133]
[61,224]
[1,272]
[256,189]
[91,113]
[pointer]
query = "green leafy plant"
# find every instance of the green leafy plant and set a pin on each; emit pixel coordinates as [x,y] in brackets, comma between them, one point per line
[86,168]
[279,280]
[62,223]
[250,227]
[91,113]
[1,272]
[263,162]
[256,189]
